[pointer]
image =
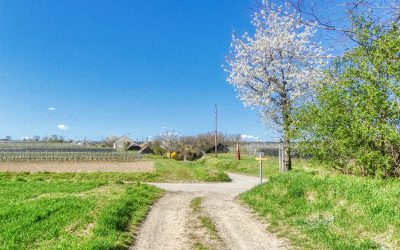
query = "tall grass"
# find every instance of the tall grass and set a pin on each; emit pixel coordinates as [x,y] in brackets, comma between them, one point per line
[249,165]
[330,211]
[60,214]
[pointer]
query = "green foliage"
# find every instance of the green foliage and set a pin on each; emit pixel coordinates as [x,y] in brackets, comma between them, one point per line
[326,211]
[354,123]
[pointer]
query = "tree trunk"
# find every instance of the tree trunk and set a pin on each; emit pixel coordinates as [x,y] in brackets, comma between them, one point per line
[287,159]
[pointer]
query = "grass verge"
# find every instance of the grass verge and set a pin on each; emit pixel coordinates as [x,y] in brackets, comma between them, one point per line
[179,171]
[249,165]
[331,211]
[60,214]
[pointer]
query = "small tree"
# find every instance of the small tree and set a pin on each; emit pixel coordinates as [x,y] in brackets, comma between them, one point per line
[273,70]
[170,141]
[156,146]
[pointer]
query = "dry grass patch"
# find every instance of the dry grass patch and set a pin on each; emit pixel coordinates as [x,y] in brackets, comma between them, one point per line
[78,167]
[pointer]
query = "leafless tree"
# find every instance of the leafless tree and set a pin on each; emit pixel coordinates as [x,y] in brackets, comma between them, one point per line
[170,141]
[337,17]
[109,140]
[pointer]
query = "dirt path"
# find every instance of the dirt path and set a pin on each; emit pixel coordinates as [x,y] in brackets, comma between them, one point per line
[167,224]
[238,227]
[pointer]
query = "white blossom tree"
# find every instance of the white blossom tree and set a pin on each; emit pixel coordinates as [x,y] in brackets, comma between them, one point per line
[273,69]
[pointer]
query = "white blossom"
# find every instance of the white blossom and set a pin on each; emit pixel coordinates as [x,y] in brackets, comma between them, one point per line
[277,65]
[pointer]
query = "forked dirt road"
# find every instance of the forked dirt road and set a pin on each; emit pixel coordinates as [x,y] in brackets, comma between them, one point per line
[166,226]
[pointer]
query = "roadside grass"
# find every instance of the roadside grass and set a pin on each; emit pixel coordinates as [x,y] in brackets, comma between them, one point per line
[250,166]
[60,214]
[166,170]
[330,211]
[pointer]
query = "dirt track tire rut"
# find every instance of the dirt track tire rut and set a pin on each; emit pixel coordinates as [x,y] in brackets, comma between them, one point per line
[166,226]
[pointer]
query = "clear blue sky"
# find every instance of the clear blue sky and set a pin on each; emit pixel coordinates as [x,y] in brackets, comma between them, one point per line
[120,67]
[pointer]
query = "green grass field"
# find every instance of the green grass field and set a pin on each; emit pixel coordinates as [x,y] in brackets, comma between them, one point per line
[330,211]
[65,214]
[84,210]
[249,165]
[312,206]
[179,171]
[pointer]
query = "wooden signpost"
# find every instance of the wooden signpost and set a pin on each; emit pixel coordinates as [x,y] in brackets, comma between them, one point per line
[260,157]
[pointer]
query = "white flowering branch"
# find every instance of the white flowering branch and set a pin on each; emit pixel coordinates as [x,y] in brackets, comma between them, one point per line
[273,70]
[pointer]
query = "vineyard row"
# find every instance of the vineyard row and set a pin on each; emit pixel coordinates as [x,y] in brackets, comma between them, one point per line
[67,156]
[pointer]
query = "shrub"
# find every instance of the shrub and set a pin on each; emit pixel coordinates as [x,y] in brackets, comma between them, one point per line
[354,123]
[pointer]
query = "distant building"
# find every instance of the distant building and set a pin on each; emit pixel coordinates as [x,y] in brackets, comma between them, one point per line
[123,142]
[143,148]
[146,150]
[221,148]
[134,147]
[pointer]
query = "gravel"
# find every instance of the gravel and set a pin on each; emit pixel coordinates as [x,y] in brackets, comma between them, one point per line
[166,226]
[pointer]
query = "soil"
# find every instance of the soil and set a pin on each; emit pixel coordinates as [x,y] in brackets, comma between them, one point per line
[78,167]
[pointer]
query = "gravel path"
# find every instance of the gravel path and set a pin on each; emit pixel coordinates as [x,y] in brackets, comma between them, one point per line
[166,226]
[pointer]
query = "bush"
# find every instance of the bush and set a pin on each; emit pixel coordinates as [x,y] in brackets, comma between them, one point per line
[354,123]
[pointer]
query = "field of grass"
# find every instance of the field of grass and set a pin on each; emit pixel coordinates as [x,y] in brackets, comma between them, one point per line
[71,214]
[249,165]
[330,211]
[180,171]
[166,170]
[84,210]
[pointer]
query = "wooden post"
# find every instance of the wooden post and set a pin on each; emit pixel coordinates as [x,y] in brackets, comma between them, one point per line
[237,151]
[216,132]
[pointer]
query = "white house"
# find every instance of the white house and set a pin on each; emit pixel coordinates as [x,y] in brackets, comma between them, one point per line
[123,142]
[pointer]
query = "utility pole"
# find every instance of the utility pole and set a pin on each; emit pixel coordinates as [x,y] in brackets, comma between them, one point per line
[216,131]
